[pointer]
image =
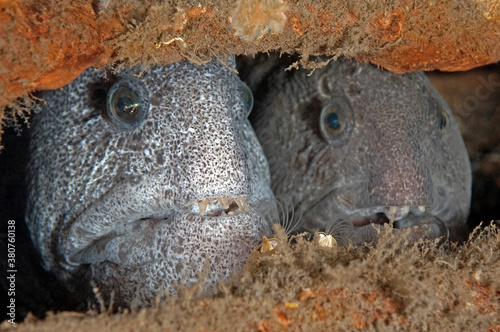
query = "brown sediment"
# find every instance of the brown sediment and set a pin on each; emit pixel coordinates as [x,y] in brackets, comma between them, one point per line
[303,287]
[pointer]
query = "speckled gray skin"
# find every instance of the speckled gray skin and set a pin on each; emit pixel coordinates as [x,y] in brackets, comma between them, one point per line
[399,147]
[118,202]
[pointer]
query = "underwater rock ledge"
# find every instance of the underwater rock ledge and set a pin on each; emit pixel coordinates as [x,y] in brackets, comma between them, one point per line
[46,45]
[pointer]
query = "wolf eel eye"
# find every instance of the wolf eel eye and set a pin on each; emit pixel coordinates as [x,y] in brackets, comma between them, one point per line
[334,120]
[125,103]
[443,120]
[247,99]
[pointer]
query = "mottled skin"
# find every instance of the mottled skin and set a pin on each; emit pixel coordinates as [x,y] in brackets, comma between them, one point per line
[399,146]
[117,202]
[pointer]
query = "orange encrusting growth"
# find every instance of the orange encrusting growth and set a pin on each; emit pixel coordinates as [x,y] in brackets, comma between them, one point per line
[45,45]
[45,48]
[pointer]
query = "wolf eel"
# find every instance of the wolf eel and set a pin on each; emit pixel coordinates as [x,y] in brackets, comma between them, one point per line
[354,147]
[147,179]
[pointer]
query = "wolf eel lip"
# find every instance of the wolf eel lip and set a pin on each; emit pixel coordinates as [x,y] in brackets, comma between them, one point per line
[220,206]
[208,207]
[383,215]
[253,226]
